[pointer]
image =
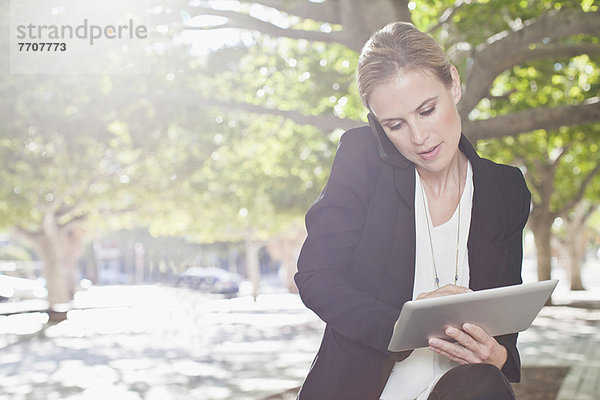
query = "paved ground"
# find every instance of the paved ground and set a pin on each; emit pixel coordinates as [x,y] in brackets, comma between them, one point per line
[162,343]
[152,342]
[566,337]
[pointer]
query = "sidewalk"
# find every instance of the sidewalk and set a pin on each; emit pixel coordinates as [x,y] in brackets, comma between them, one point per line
[566,337]
[164,343]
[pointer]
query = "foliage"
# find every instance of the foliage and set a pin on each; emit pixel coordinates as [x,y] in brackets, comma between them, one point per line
[201,146]
[571,160]
[14,253]
[571,152]
[258,179]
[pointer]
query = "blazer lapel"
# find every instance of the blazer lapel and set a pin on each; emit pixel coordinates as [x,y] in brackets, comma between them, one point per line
[404,181]
[487,223]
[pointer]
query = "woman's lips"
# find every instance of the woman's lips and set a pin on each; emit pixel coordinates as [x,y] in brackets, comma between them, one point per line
[430,153]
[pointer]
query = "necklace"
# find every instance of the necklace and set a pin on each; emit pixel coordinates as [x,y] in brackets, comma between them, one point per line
[428,217]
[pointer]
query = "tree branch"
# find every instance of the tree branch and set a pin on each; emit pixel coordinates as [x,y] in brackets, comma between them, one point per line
[446,16]
[531,181]
[245,21]
[359,19]
[580,192]
[78,191]
[327,11]
[401,7]
[78,220]
[65,209]
[503,96]
[111,212]
[26,233]
[535,118]
[560,51]
[563,152]
[590,209]
[500,51]
[326,123]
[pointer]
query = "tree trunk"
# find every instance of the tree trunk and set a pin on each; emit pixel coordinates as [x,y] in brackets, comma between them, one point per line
[232,259]
[570,258]
[541,226]
[139,262]
[575,240]
[285,247]
[576,253]
[58,247]
[542,232]
[252,264]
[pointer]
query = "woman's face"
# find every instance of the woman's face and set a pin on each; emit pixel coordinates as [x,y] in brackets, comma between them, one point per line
[418,114]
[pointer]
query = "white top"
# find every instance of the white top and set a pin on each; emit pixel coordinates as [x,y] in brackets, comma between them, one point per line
[415,377]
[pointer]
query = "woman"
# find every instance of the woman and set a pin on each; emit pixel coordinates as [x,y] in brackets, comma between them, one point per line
[410,211]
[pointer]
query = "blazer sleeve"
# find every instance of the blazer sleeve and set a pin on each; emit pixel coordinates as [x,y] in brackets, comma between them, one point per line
[335,224]
[518,206]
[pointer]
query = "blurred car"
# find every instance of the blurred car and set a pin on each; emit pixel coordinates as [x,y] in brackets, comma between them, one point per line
[15,288]
[211,280]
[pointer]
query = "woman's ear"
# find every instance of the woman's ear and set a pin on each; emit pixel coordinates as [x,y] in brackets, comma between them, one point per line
[455,89]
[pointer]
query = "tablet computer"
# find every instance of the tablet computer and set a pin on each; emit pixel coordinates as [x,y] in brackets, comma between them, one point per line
[498,311]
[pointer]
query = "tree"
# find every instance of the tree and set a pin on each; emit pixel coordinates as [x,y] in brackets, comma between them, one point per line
[526,67]
[77,150]
[573,240]
[65,159]
[550,161]
[82,152]
[203,143]
[259,177]
[560,165]
[483,39]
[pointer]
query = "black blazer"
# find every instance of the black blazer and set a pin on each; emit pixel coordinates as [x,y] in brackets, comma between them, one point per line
[356,267]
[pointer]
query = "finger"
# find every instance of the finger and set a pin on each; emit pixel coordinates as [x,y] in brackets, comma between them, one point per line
[448,355]
[444,291]
[489,345]
[464,339]
[462,289]
[423,295]
[476,332]
[479,343]
[449,288]
[454,351]
[476,351]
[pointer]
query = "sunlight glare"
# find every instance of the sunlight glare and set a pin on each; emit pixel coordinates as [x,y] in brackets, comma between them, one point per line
[204,42]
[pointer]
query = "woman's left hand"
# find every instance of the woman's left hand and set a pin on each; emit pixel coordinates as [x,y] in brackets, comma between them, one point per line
[473,346]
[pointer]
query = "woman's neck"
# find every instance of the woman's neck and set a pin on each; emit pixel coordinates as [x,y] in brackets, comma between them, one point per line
[439,184]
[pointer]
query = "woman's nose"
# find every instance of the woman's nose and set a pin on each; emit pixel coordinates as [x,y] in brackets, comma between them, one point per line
[418,134]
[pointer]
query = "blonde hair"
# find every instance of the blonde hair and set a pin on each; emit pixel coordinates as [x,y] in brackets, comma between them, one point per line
[398,47]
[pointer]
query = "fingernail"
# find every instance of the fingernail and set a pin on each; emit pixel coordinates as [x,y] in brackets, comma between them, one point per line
[433,342]
[450,331]
[467,326]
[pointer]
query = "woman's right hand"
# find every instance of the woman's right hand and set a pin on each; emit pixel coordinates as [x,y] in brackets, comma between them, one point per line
[445,290]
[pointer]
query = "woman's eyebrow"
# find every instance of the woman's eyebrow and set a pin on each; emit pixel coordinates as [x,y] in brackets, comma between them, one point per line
[425,102]
[428,100]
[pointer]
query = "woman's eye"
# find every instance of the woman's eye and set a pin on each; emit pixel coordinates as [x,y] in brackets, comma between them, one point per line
[395,127]
[427,112]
